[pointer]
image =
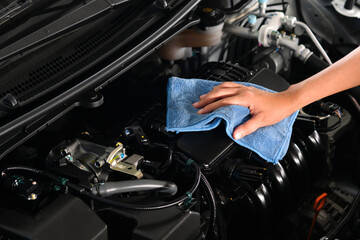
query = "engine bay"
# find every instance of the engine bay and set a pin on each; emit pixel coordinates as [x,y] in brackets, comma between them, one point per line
[108,168]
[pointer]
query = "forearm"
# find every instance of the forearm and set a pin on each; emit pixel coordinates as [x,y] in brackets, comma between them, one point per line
[342,75]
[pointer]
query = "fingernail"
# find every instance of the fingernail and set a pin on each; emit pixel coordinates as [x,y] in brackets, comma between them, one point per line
[201,111]
[195,104]
[202,96]
[237,136]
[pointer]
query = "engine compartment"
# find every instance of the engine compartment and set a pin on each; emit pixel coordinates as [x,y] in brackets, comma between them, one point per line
[111,170]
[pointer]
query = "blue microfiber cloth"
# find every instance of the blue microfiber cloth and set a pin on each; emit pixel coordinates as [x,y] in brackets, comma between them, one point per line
[270,143]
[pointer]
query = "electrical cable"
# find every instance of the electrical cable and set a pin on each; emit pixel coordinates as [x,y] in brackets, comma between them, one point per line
[209,194]
[211,198]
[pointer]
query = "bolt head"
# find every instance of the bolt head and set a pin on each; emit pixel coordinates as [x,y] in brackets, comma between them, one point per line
[127,132]
[32,196]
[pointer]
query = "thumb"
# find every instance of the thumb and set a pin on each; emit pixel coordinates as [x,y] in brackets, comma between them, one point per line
[246,128]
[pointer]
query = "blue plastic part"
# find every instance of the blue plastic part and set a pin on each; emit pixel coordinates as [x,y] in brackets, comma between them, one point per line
[189,162]
[63,181]
[262,1]
[187,202]
[252,19]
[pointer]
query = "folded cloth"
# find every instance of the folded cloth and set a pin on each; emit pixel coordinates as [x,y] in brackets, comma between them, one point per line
[270,143]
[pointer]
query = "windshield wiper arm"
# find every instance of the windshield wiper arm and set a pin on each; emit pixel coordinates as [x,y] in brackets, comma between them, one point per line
[59,27]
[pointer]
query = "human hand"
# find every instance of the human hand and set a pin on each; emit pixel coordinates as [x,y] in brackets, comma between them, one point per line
[265,108]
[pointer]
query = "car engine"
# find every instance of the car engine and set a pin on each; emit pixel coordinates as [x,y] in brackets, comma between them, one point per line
[84,150]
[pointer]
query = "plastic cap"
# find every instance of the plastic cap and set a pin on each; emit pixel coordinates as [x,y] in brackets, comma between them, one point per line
[252,19]
[262,1]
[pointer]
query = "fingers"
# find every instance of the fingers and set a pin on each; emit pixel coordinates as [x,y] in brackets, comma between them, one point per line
[230,93]
[223,90]
[228,85]
[247,127]
[233,100]
[222,85]
[215,95]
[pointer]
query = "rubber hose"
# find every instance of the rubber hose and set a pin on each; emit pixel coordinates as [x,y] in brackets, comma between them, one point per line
[239,31]
[83,191]
[149,207]
[315,64]
[111,188]
[349,4]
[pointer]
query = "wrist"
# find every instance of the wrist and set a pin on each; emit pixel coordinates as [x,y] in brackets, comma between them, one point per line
[293,98]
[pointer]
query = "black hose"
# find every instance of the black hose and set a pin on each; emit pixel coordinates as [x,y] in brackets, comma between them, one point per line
[346,218]
[82,191]
[150,207]
[111,188]
[299,10]
[283,5]
[133,206]
[169,160]
[211,198]
[315,64]
[349,4]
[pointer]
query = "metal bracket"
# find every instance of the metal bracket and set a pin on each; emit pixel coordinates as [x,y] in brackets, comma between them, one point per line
[126,168]
[117,163]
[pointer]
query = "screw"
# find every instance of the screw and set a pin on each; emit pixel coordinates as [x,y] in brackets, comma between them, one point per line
[127,132]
